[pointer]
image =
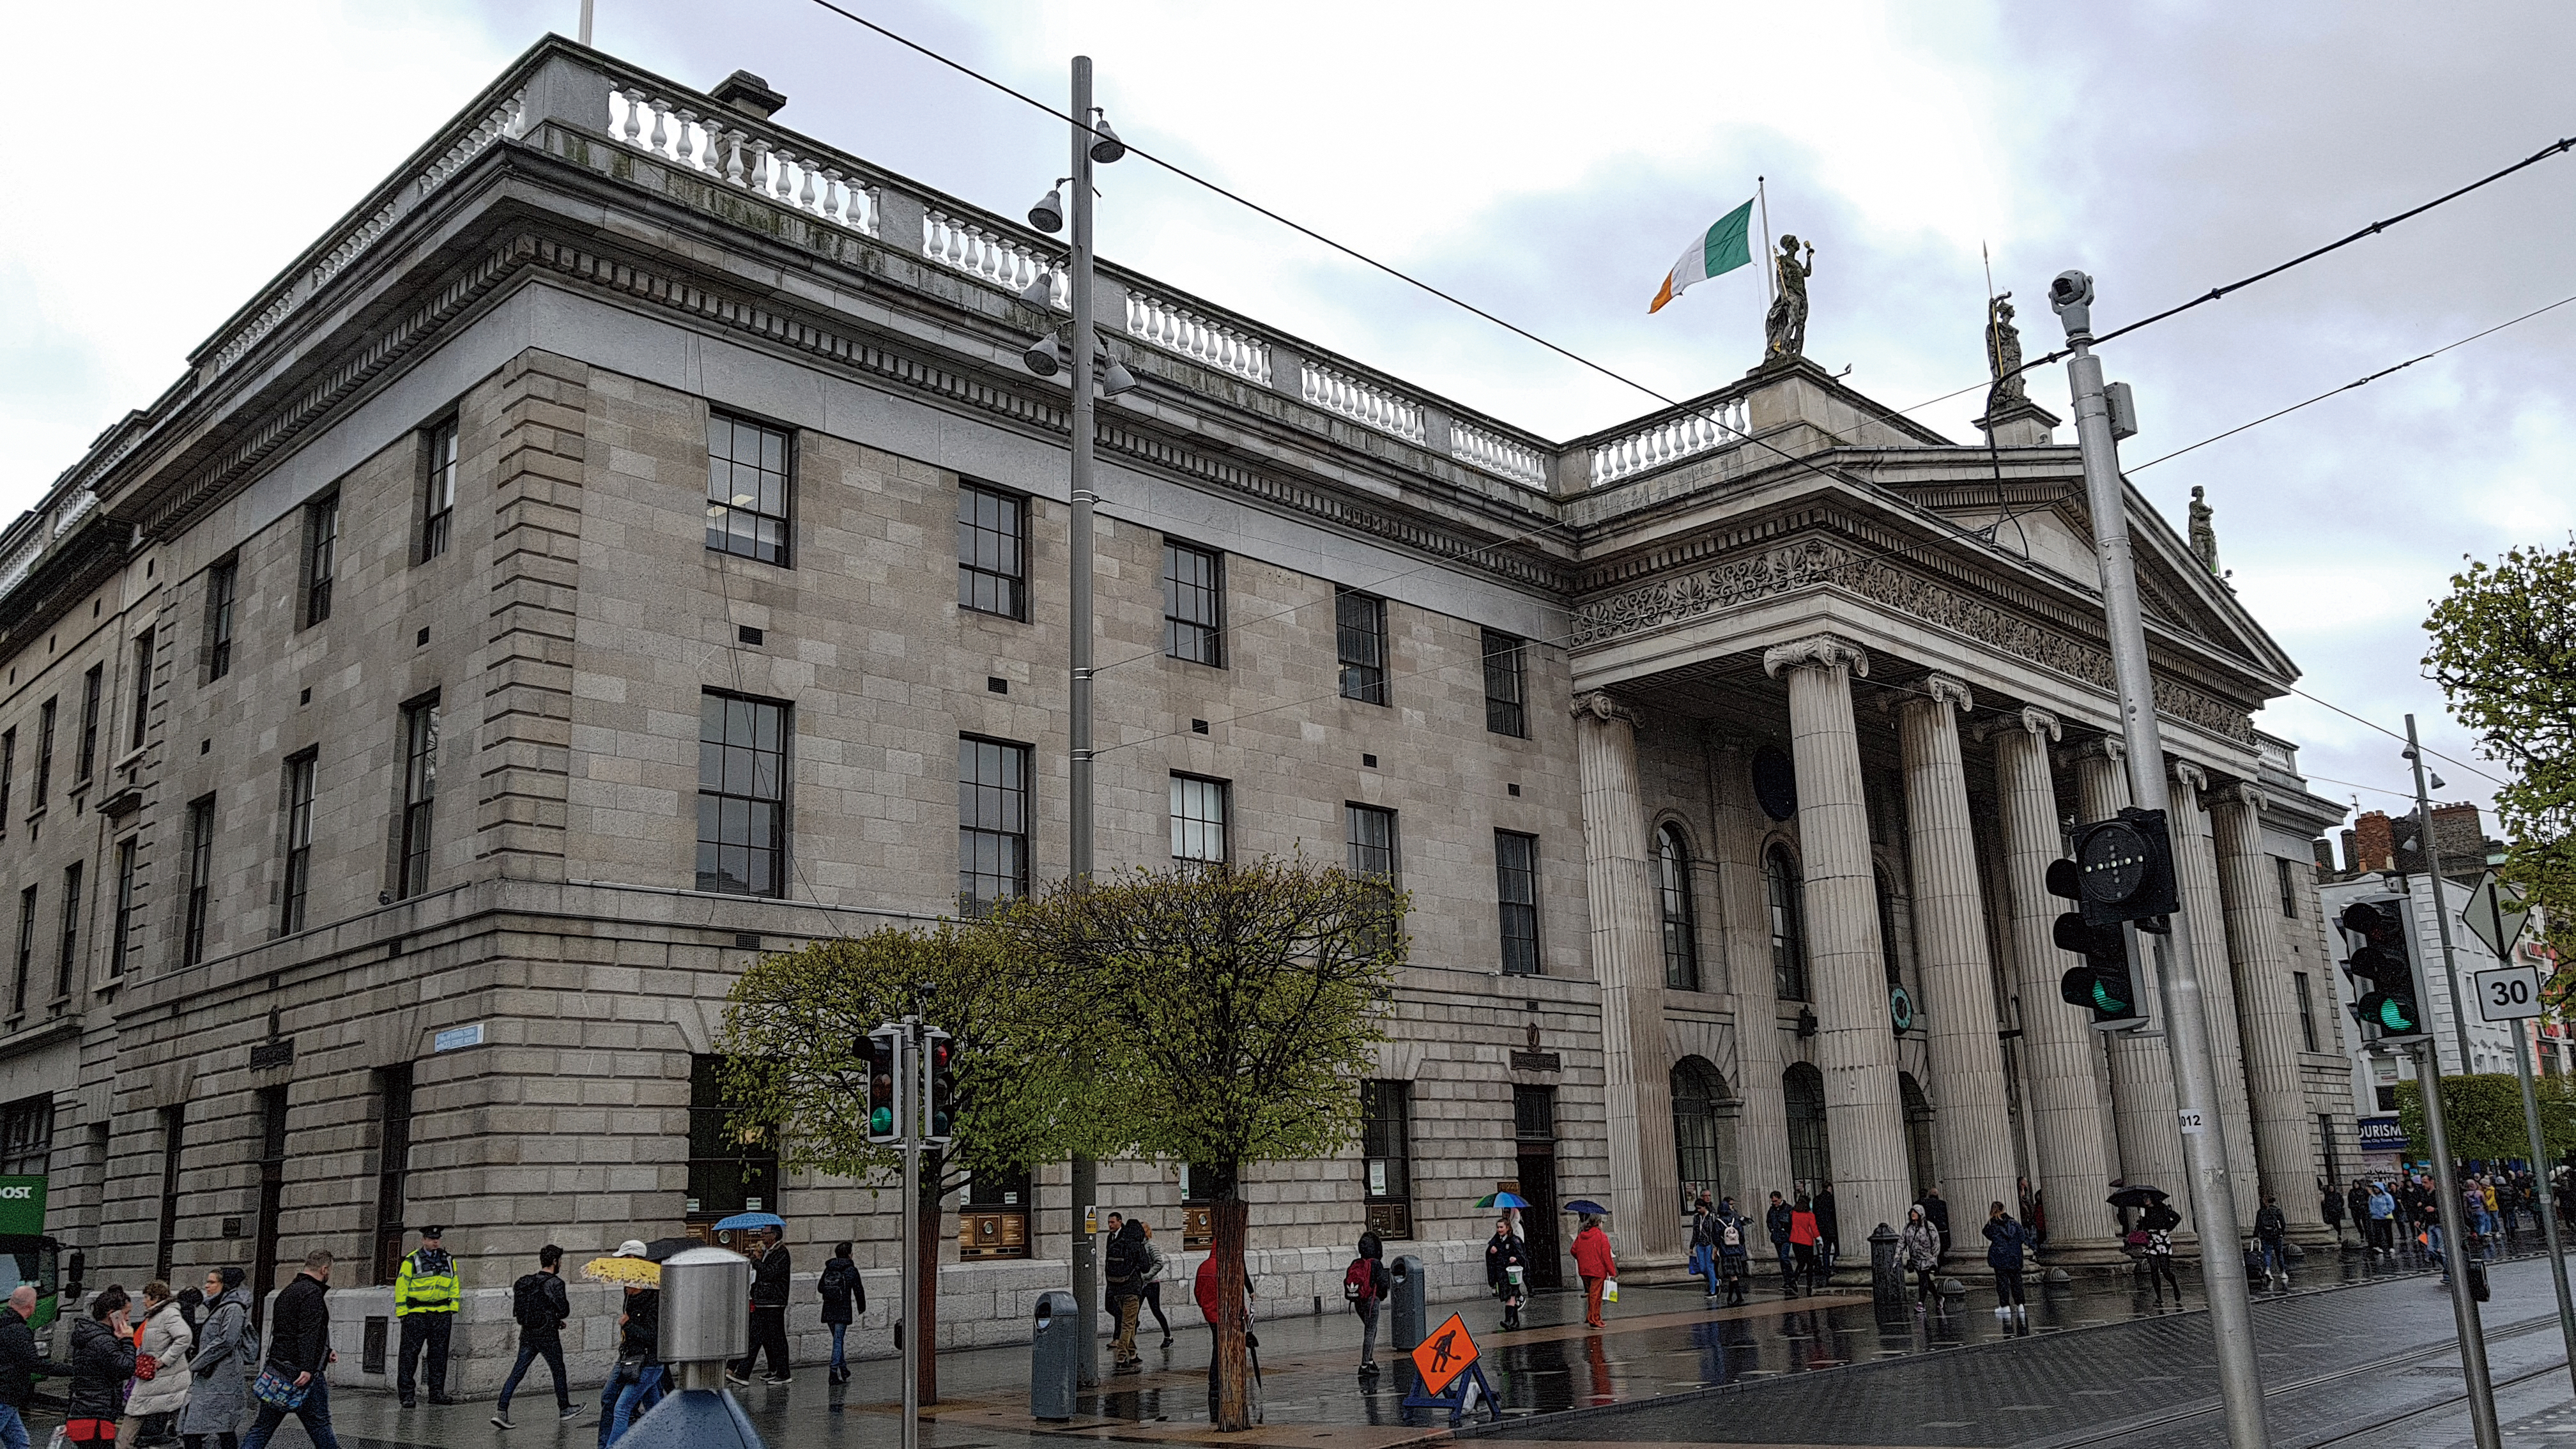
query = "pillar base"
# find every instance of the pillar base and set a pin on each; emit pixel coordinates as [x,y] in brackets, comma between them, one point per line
[2088,1255]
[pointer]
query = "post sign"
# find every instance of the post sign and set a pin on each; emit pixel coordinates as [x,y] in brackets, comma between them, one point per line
[2510,993]
[22,1205]
[2382,1134]
[2494,918]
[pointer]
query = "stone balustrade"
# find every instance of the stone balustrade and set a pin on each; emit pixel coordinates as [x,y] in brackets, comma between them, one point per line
[1227,349]
[735,149]
[996,256]
[1363,402]
[1669,440]
[1501,456]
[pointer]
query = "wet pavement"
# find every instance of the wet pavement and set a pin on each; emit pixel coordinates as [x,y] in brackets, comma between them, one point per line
[2096,1362]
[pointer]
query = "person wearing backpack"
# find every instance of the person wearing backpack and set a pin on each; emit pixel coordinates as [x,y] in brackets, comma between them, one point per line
[844,1299]
[1124,1265]
[1364,1287]
[1734,1237]
[542,1308]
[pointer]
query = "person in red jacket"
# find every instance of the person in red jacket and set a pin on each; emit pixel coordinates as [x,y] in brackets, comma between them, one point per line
[1592,1259]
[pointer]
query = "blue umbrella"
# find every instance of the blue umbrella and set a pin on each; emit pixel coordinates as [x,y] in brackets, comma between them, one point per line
[1586,1205]
[751,1220]
[1502,1200]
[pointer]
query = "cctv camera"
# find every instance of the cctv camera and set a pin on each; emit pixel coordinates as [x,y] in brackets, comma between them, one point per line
[2071,289]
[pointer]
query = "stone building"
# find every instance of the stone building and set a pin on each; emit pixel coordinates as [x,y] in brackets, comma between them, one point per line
[587,565]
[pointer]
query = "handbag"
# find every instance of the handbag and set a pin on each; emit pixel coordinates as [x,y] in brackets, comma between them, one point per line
[278,1391]
[145,1366]
[1609,1290]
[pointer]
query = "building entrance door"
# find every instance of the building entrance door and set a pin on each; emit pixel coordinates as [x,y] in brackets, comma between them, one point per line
[1538,1220]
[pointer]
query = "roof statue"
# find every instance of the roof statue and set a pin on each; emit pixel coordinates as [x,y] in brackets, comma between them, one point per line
[2204,538]
[1784,331]
[2003,355]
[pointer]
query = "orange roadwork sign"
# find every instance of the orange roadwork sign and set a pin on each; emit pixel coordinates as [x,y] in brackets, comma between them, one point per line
[1444,1355]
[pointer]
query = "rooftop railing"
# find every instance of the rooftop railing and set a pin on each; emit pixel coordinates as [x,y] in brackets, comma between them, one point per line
[732,147]
[1705,429]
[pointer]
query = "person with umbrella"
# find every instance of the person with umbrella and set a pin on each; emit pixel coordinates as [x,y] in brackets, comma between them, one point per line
[635,1382]
[769,1278]
[1507,1270]
[1593,1260]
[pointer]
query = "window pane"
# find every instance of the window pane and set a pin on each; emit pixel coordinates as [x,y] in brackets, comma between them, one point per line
[748,488]
[1516,892]
[1360,636]
[742,786]
[1788,925]
[992,815]
[1198,818]
[1681,937]
[1506,711]
[1193,604]
[990,568]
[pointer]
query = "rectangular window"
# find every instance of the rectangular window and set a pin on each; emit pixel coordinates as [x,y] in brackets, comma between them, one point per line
[26,949]
[438,505]
[120,944]
[8,768]
[71,930]
[1506,686]
[299,841]
[223,588]
[27,1136]
[742,795]
[1534,1114]
[992,824]
[45,752]
[1359,634]
[143,688]
[174,1121]
[1386,1130]
[748,468]
[1516,890]
[420,795]
[201,875]
[2289,886]
[1193,604]
[733,1166]
[321,556]
[1373,854]
[272,1195]
[2307,1010]
[1198,818]
[992,552]
[393,1165]
[91,684]
[2326,1140]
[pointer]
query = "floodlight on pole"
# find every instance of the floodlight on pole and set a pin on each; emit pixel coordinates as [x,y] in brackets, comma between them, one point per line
[1044,357]
[1108,148]
[1048,215]
[1040,292]
[1116,379]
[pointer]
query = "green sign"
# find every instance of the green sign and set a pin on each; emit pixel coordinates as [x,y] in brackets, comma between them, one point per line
[22,1205]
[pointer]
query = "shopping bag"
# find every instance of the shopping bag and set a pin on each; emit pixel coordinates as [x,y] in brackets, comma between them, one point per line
[1609,1290]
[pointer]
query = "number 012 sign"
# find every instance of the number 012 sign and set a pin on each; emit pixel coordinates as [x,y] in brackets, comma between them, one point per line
[2509,994]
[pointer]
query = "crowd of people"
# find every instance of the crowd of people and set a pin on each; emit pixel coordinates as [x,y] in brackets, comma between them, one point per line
[2400,1213]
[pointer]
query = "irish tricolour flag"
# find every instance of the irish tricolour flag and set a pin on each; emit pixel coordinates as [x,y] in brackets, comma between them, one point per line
[1722,249]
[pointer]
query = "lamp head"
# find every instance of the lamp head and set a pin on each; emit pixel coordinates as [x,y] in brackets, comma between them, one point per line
[1048,214]
[1108,148]
[1041,291]
[1116,379]
[1044,357]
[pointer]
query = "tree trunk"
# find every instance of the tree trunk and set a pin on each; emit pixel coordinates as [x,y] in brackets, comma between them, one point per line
[1228,1217]
[925,1303]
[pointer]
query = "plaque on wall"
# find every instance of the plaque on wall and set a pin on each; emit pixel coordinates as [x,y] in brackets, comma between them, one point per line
[278,1053]
[1536,1062]
[1775,782]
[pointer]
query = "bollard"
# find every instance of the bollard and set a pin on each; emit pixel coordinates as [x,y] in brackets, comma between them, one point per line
[702,1325]
[1886,1275]
[1407,1294]
[1055,1357]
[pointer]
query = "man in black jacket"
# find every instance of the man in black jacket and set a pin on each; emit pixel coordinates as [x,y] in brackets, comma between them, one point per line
[299,1350]
[768,1310]
[542,1308]
[20,1364]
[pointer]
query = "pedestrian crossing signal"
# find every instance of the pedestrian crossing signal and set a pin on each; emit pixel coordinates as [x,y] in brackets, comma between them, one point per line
[2103,983]
[885,1065]
[2383,965]
[941,1050]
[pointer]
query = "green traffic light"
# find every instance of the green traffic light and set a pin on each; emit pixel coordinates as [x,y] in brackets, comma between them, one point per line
[2105,1002]
[881,1121]
[2394,1016]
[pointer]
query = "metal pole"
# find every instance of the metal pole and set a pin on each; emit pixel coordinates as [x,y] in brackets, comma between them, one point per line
[2455,1249]
[585,22]
[1086,1171]
[2540,1182]
[907,1100]
[2213,1202]
[1770,269]
[2441,898]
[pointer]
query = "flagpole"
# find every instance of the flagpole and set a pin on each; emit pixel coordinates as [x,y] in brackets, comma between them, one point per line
[1770,283]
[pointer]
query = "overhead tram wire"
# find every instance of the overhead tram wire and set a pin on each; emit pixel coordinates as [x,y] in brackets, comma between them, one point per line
[2394,735]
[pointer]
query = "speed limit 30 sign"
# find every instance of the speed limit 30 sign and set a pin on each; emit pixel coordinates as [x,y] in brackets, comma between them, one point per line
[2509,994]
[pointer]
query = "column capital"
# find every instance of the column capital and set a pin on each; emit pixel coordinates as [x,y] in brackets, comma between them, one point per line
[2247,794]
[2100,747]
[2040,722]
[1600,706]
[1816,651]
[2191,776]
[1947,690]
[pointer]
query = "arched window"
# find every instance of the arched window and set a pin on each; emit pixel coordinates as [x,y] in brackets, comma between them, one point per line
[1811,1152]
[1887,929]
[1681,937]
[1788,924]
[1698,1091]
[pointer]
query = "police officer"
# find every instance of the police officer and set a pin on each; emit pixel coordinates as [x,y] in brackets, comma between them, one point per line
[425,1300]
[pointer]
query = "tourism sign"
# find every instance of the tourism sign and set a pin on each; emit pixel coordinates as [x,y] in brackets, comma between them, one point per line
[2495,919]
[1444,1355]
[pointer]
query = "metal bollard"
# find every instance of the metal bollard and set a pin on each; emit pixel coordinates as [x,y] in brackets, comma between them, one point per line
[701,1325]
[1407,1294]
[1055,1357]
[1886,1275]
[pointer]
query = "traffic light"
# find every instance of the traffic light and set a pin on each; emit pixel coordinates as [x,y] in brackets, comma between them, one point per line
[2125,868]
[2102,985]
[2383,967]
[885,1069]
[941,1050]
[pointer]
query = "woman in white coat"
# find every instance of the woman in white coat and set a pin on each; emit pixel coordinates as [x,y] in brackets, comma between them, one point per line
[156,1401]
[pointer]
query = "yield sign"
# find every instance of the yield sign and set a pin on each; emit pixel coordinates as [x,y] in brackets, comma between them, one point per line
[2493,918]
[1444,1355]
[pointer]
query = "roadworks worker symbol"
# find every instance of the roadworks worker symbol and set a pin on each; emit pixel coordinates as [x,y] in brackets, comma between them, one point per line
[1444,1355]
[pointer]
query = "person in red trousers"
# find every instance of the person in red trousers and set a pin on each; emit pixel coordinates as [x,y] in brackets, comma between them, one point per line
[1592,1259]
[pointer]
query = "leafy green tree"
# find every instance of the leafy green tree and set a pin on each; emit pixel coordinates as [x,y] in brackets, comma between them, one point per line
[795,1037]
[2504,652]
[2482,1115]
[1243,1006]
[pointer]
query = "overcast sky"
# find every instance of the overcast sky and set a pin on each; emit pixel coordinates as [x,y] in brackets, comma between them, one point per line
[175,155]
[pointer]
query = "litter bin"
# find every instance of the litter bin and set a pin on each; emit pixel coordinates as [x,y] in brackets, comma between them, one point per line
[1407,1294]
[1055,1357]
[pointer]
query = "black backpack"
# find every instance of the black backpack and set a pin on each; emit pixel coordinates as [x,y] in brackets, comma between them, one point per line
[528,1302]
[1124,1260]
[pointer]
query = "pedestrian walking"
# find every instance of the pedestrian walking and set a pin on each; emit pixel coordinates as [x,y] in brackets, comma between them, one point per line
[1803,1238]
[102,1360]
[1937,1209]
[1507,1270]
[425,1303]
[1734,1261]
[1364,1286]
[844,1299]
[1124,1267]
[2271,1233]
[541,1307]
[1155,1267]
[1703,1241]
[2356,1201]
[1599,1269]
[2006,1239]
[770,1273]
[2381,1206]
[1918,1251]
[296,1380]
[1829,1235]
[21,1363]
[192,1309]
[163,1346]
[1775,1220]
[2158,1223]
[227,1356]
[635,1383]
[2330,1207]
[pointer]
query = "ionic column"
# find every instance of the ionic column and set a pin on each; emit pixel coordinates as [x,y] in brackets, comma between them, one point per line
[1628,957]
[1855,1048]
[2267,1015]
[1970,1126]
[2142,1090]
[1762,1124]
[2196,872]
[2057,1039]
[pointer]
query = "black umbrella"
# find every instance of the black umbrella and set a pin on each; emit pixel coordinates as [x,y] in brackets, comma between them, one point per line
[2137,1197]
